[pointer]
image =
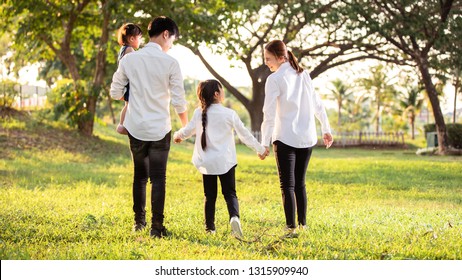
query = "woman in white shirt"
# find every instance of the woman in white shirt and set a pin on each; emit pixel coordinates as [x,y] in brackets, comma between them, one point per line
[215,152]
[290,107]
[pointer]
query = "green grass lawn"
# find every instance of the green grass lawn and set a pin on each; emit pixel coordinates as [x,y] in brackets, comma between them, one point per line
[68,197]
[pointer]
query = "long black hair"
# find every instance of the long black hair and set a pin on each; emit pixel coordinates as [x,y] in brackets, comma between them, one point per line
[206,93]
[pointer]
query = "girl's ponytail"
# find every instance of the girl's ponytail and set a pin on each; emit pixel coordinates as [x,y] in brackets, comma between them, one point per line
[206,93]
[204,124]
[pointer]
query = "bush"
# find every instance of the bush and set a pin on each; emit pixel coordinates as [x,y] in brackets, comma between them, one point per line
[454,131]
[455,135]
[70,101]
[8,93]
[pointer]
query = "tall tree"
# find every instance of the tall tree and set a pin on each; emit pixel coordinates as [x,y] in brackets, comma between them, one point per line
[451,45]
[413,29]
[316,31]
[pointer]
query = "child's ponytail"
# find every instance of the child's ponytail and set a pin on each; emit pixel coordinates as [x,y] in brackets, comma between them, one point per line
[206,93]
[204,125]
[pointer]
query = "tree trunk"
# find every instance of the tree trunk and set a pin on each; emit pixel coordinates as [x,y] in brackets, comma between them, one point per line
[377,120]
[433,97]
[339,119]
[255,107]
[456,88]
[413,126]
[111,109]
[86,124]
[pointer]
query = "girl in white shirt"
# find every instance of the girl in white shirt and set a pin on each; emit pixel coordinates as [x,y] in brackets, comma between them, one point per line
[215,152]
[290,107]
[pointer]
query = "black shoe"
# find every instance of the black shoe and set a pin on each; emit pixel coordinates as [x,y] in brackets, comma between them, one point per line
[159,233]
[139,226]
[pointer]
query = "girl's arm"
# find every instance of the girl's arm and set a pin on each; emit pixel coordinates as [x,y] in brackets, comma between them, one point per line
[187,131]
[246,137]
[319,110]
[320,113]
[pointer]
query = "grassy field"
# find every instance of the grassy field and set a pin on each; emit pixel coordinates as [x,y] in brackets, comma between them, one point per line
[67,197]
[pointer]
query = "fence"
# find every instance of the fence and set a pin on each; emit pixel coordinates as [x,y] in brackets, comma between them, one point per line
[356,139]
[23,96]
[360,138]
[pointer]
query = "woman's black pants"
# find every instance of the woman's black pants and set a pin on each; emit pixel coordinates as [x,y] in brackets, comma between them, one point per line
[292,164]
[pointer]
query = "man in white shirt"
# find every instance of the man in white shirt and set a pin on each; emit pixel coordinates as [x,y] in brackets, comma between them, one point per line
[155,81]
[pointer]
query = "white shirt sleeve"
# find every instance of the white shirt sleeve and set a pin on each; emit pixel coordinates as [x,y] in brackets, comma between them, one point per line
[269,111]
[190,129]
[177,89]
[119,81]
[246,136]
[319,110]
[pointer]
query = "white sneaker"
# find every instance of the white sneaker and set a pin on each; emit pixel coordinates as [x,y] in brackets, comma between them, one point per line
[236,227]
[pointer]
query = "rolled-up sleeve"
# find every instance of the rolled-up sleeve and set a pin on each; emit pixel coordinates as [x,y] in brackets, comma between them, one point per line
[119,81]
[269,111]
[177,89]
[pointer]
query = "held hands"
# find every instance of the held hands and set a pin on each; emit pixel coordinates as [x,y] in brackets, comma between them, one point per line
[265,154]
[328,140]
[176,138]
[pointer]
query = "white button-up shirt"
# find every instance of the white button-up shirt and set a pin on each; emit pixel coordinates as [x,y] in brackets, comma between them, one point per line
[220,154]
[155,81]
[290,107]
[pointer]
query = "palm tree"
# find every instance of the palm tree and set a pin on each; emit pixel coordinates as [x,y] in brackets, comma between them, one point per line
[457,85]
[381,91]
[411,102]
[341,94]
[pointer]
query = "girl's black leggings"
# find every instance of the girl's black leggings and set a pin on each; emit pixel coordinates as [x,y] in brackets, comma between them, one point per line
[228,189]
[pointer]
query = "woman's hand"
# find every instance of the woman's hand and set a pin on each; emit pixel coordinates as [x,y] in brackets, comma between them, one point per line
[176,138]
[328,140]
[265,154]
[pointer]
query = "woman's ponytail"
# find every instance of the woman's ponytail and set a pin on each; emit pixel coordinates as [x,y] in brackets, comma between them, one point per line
[279,49]
[294,62]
